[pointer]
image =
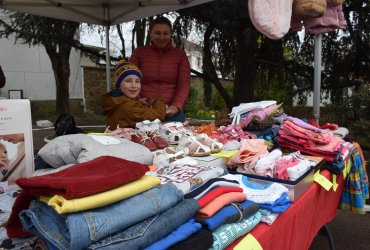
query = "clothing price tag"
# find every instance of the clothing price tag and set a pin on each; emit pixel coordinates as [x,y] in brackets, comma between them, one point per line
[335,184]
[325,183]
[225,154]
[268,143]
[248,243]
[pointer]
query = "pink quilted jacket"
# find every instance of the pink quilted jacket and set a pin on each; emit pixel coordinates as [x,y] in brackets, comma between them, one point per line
[166,73]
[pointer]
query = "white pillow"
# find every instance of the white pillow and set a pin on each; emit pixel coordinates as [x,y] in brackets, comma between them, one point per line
[78,148]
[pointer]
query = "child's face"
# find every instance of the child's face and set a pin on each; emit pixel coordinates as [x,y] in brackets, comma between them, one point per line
[131,86]
[4,160]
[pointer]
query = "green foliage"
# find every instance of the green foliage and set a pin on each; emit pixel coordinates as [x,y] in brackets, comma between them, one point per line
[217,102]
[195,108]
[361,132]
[359,102]
[193,102]
[204,114]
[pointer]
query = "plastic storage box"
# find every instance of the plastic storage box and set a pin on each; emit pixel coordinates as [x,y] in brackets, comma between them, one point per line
[296,188]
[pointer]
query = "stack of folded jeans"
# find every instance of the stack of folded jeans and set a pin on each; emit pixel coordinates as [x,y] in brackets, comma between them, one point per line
[105,203]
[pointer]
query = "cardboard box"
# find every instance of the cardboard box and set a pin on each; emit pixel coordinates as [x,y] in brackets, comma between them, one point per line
[16,139]
[211,161]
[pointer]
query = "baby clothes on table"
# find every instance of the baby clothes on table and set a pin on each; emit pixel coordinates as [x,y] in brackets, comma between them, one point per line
[262,194]
[62,205]
[203,239]
[266,164]
[231,213]
[227,233]
[216,192]
[72,231]
[250,149]
[219,202]
[179,234]
[209,185]
[188,178]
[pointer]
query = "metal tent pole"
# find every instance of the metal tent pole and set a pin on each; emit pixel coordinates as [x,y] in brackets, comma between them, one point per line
[107,58]
[317,78]
[107,50]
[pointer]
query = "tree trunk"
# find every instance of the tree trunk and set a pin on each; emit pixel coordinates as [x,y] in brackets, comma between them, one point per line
[123,50]
[140,32]
[60,64]
[210,70]
[245,66]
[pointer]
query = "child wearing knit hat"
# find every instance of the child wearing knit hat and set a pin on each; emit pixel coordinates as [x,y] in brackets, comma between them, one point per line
[122,106]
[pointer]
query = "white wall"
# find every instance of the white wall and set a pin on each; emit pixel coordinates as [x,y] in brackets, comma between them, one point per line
[29,69]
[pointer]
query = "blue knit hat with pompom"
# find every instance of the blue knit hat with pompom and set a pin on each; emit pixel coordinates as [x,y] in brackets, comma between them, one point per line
[123,69]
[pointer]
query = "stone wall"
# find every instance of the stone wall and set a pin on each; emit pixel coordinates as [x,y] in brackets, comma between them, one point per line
[95,85]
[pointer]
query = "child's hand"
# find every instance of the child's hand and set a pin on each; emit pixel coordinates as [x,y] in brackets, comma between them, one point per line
[145,101]
[151,101]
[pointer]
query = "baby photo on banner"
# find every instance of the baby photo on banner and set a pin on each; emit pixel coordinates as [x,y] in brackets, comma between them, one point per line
[16,143]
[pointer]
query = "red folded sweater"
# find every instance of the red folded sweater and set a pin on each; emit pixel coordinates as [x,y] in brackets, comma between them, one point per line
[80,180]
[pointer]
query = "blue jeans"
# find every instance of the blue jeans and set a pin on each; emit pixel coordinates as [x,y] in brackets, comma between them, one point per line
[179,117]
[79,230]
[150,230]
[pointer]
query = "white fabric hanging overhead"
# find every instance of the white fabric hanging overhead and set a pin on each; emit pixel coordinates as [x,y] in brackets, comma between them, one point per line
[101,12]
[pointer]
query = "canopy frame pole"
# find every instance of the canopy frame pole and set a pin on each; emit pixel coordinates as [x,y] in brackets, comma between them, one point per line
[107,50]
[317,78]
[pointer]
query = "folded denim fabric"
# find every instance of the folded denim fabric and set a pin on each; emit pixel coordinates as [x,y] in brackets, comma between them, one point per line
[80,230]
[151,230]
[98,175]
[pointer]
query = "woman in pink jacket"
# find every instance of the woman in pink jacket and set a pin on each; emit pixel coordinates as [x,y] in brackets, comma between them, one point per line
[165,69]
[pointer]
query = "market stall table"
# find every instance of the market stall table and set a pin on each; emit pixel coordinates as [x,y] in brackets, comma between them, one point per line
[299,224]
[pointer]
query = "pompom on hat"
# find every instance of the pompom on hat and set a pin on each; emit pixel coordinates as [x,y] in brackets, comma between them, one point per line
[121,71]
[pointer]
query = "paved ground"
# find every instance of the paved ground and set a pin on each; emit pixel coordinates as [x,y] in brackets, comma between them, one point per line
[350,231]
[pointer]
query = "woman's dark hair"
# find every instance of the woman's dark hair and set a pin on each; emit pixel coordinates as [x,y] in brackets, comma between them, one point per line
[160,20]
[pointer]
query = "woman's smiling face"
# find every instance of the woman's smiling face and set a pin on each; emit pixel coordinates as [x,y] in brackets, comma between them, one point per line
[160,35]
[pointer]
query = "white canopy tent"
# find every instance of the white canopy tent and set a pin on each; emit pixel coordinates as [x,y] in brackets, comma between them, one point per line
[101,12]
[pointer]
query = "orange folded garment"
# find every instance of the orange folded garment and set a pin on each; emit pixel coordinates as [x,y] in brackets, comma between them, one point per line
[214,206]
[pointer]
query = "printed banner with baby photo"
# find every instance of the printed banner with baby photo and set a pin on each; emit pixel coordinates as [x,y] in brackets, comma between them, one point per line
[16,144]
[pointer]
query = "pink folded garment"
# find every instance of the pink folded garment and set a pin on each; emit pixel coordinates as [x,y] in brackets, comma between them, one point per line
[271,17]
[258,115]
[266,170]
[332,20]
[249,150]
[295,130]
[282,165]
[219,202]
